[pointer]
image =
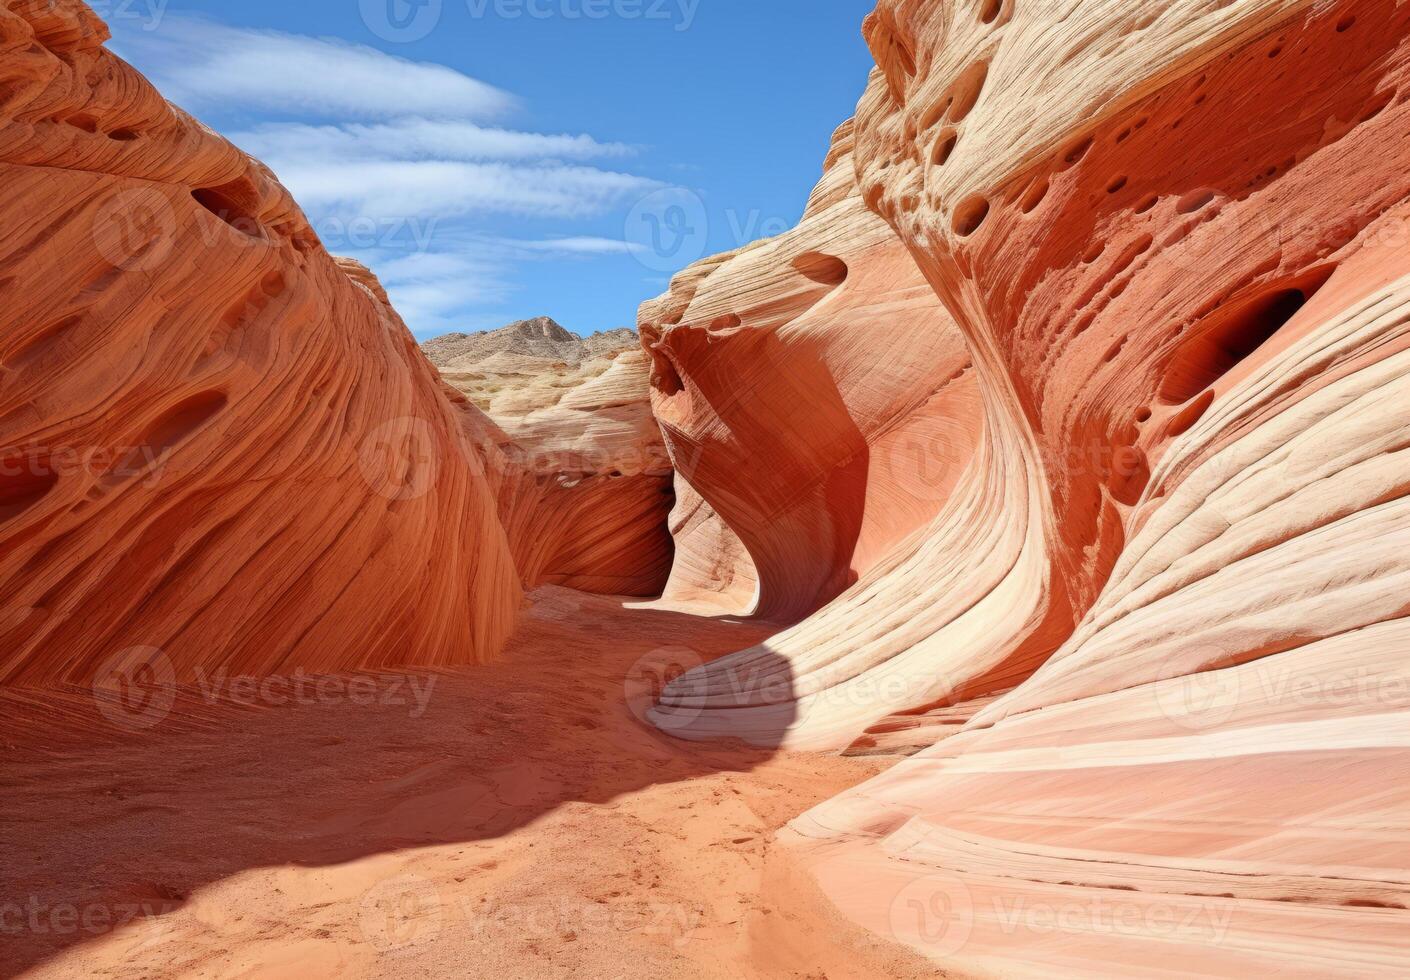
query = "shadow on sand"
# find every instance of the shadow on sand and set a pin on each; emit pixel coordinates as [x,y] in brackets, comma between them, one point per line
[97,818]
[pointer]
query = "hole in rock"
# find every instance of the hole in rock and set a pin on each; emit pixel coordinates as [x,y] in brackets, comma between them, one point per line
[173,428]
[934,113]
[1233,333]
[24,481]
[968,88]
[1346,23]
[1116,185]
[1147,204]
[826,269]
[86,123]
[891,51]
[944,146]
[1377,105]
[970,215]
[1194,200]
[34,348]
[1034,195]
[235,203]
[1078,151]
[1185,421]
[274,284]
[989,11]
[1130,475]
[124,135]
[727,322]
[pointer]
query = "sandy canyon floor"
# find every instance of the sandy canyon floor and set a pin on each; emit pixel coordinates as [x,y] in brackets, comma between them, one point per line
[513,821]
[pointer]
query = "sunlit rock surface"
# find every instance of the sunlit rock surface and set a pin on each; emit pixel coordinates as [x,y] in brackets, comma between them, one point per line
[218,442]
[583,480]
[1173,239]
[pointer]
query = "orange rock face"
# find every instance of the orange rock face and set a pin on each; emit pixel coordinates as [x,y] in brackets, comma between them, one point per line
[1065,435]
[218,441]
[576,463]
[1173,241]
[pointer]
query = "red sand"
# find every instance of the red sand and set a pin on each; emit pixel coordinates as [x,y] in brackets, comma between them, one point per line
[525,825]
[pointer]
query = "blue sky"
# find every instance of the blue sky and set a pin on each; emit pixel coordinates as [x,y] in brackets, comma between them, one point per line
[494,160]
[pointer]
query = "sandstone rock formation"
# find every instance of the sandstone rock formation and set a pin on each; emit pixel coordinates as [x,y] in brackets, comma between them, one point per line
[582,478]
[822,403]
[1172,238]
[200,361]
[539,337]
[583,481]
[1067,431]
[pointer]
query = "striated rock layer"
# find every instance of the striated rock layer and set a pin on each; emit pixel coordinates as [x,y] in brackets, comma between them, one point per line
[1173,240]
[541,336]
[577,465]
[199,366]
[821,402]
[582,479]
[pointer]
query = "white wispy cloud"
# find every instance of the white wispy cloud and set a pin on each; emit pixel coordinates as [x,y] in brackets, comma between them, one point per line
[201,63]
[579,245]
[416,139]
[382,189]
[396,162]
[432,290]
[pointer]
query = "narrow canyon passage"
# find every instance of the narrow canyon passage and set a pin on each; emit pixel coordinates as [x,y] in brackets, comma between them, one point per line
[512,820]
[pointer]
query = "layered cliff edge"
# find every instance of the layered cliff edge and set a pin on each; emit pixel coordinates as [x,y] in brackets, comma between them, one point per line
[201,365]
[1155,628]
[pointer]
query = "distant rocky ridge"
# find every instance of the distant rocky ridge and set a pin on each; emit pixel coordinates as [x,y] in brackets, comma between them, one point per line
[539,337]
[573,452]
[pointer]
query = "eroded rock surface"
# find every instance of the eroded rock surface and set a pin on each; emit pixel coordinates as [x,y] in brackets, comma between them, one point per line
[582,478]
[1173,240]
[182,362]
[541,336]
[583,481]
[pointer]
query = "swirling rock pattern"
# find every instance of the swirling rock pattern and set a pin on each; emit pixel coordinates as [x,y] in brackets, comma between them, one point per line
[1173,239]
[218,441]
[583,481]
[822,404]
